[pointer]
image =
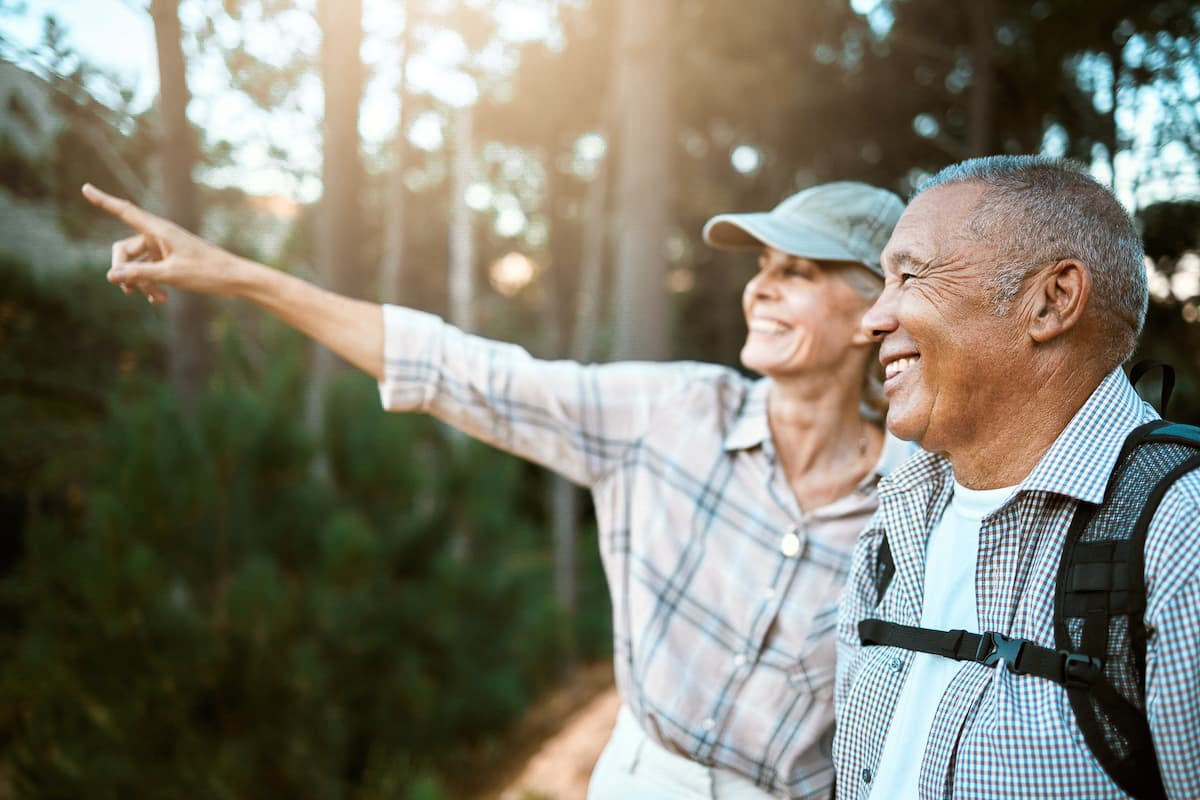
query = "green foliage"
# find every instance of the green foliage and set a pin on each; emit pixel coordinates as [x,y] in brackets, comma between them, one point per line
[19,173]
[1169,337]
[1171,334]
[65,342]
[196,615]
[1170,229]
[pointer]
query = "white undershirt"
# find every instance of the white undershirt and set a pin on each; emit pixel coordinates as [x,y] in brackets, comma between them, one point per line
[950,558]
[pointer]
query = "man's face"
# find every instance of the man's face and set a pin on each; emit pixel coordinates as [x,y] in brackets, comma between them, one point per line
[952,367]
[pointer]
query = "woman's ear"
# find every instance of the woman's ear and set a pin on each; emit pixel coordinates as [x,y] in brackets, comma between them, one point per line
[1058,298]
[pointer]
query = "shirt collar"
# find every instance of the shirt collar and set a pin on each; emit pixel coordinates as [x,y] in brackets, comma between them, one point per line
[895,453]
[914,472]
[750,428]
[1080,460]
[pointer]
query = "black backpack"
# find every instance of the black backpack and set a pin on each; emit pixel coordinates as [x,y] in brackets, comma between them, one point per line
[1100,599]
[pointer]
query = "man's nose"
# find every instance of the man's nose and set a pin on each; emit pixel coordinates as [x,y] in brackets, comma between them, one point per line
[880,318]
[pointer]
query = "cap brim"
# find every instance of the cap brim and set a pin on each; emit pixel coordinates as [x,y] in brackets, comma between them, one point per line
[752,231]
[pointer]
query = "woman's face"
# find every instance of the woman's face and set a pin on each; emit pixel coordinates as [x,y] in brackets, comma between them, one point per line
[802,316]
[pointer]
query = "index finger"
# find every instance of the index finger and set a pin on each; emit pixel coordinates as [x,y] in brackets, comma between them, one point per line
[127,212]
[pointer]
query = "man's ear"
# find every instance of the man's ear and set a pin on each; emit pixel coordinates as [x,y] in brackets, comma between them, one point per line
[1059,296]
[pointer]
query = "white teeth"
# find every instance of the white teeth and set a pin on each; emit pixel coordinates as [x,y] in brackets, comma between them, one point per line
[767,326]
[899,365]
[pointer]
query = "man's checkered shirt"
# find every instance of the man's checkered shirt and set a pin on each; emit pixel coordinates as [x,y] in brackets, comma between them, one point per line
[997,734]
[724,592]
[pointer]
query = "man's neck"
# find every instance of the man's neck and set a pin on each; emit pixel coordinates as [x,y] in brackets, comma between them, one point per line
[1007,450]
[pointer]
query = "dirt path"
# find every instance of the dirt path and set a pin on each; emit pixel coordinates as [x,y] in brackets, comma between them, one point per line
[562,737]
[561,768]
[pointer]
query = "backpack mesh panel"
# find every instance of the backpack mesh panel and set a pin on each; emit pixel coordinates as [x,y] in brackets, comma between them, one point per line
[1120,672]
[1135,477]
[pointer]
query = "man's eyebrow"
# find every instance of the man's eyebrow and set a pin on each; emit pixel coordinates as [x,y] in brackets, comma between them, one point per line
[902,259]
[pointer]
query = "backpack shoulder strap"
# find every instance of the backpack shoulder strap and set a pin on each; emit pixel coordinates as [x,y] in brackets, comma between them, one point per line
[1100,601]
[1139,370]
[885,569]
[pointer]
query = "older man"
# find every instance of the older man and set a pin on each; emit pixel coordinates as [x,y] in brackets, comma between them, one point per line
[1015,288]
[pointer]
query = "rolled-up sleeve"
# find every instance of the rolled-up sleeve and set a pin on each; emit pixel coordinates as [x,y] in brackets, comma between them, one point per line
[575,419]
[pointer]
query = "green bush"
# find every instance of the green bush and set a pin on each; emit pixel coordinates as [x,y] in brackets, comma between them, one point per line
[193,614]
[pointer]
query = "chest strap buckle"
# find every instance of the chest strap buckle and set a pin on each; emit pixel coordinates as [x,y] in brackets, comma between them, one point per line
[996,646]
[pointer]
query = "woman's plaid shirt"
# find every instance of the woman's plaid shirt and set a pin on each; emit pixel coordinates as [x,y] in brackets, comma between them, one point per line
[724,592]
[997,734]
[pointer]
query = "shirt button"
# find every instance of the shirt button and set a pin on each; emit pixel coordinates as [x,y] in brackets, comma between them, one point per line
[866,775]
[769,593]
[896,664]
[739,659]
[789,545]
[709,724]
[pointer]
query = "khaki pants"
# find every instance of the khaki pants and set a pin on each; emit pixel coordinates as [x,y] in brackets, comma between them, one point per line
[632,767]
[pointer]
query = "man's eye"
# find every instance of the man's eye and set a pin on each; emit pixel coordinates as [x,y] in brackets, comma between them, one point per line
[904,276]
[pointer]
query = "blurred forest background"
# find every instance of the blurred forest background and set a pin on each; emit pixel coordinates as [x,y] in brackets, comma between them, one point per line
[224,573]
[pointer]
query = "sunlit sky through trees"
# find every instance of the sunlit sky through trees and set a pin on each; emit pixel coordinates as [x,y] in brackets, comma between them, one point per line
[279,152]
[118,36]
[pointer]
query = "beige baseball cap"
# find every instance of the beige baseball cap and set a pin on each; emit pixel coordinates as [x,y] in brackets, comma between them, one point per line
[841,221]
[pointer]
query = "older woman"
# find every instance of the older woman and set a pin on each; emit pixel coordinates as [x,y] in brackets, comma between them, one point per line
[727,507]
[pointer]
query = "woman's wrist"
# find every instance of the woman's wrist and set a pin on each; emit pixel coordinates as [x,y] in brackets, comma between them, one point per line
[247,280]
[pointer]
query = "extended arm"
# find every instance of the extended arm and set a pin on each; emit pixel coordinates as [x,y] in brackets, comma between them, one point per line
[577,420]
[164,254]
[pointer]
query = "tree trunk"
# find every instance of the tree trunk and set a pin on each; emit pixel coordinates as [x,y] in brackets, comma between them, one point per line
[339,236]
[580,337]
[644,152]
[564,495]
[189,347]
[392,267]
[981,111]
[1112,131]
[564,515]
[596,227]
[462,235]
[461,280]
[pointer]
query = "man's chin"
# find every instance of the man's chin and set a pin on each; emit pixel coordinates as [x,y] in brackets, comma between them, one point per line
[903,426]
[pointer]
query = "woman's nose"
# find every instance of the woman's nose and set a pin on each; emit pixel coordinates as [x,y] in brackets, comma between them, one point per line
[762,284]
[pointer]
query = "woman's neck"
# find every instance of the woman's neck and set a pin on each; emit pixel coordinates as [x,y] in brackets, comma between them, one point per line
[822,441]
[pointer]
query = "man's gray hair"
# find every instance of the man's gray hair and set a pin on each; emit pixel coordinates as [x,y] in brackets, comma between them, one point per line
[1036,211]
